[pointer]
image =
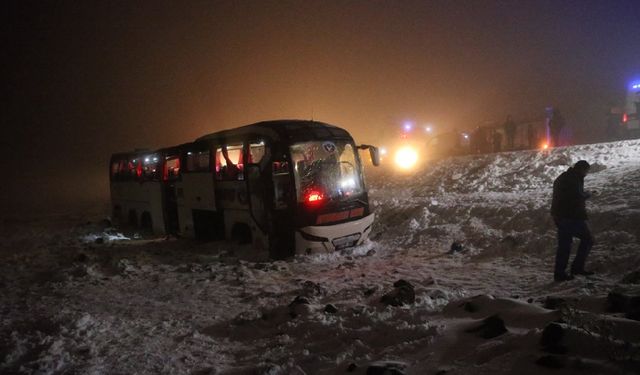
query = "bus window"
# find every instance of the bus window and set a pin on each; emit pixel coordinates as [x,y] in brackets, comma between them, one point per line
[198,161]
[280,168]
[229,163]
[171,168]
[134,169]
[281,183]
[149,167]
[256,152]
[120,170]
[348,171]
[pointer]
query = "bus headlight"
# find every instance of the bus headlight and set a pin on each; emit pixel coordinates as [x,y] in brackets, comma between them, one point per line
[406,158]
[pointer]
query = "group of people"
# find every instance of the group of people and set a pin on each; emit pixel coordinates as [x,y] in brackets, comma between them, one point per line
[490,139]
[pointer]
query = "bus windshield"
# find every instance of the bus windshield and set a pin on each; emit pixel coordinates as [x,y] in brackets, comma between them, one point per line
[326,170]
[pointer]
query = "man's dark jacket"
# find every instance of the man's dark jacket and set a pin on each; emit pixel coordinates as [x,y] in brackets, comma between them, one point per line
[569,196]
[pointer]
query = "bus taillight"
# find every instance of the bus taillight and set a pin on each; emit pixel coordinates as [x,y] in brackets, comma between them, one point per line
[314,196]
[625,118]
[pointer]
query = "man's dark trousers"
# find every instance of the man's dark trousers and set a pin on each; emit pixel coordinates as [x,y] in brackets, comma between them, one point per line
[567,229]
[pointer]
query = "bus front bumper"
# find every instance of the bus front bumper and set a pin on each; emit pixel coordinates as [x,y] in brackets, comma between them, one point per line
[328,238]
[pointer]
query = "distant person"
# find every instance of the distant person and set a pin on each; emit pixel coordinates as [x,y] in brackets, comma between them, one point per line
[479,142]
[497,141]
[531,136]
[510,132]
[555,127]
[570,216]
[613,123]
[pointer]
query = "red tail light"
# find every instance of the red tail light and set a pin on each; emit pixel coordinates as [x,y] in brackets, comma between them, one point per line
[625,118]
[314,196]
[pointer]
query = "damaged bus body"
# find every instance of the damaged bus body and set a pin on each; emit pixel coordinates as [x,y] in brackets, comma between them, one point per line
[286,187]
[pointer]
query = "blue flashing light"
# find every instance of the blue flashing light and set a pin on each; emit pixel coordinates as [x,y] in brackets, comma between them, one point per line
[635,86]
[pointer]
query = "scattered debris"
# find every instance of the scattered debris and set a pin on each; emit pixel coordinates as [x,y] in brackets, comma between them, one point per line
[552,339]
[402,294]
[311,289]
[299,306]
[330,309]
[456,246]
[625,300]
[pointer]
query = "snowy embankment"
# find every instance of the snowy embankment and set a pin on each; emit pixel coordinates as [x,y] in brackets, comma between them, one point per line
[86,299]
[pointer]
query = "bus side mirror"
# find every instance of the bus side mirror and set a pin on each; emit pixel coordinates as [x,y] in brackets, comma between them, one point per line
[373,152]
[375,155]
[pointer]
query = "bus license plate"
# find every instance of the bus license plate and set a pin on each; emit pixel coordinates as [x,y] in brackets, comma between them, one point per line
[346,241]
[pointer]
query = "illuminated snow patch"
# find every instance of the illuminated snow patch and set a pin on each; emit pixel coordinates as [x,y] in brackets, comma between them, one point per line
[107,237]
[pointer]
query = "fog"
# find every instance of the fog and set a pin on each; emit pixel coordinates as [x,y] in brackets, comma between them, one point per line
[89,79]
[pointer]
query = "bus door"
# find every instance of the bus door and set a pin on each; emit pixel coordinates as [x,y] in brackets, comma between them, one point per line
[232,200]
[258,182]
[195,194]
[282,225]
[170,175]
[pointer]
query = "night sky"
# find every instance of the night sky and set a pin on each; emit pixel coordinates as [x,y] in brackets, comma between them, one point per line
[85,79]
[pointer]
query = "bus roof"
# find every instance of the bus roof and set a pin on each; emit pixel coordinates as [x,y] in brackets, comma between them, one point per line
[146,151]
[289,130]
[284,129]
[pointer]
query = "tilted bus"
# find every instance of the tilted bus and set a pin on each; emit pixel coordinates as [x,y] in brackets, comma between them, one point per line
[286,187]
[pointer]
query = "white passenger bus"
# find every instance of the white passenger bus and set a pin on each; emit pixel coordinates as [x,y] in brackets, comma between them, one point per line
[284,186]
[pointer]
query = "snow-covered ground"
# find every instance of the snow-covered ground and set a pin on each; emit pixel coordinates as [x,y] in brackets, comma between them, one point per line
[79,297]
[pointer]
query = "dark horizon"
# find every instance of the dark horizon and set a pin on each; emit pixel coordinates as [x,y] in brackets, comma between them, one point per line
[89,79]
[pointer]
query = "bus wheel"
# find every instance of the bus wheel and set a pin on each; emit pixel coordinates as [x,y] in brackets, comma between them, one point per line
[146,225]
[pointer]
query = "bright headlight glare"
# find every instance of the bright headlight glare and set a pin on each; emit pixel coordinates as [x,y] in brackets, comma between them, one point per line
[348,183]
[406,158]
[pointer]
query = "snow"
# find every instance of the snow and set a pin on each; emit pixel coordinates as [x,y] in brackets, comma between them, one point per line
[85,298]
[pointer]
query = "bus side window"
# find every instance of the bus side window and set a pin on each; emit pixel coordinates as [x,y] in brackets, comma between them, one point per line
[171,170]
[229,163]
[198,161]
[149,166]
[134,169]
[256,152]
[280,167]
[122,172]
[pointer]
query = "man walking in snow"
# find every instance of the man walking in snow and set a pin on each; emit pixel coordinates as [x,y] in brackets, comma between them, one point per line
[570,216]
